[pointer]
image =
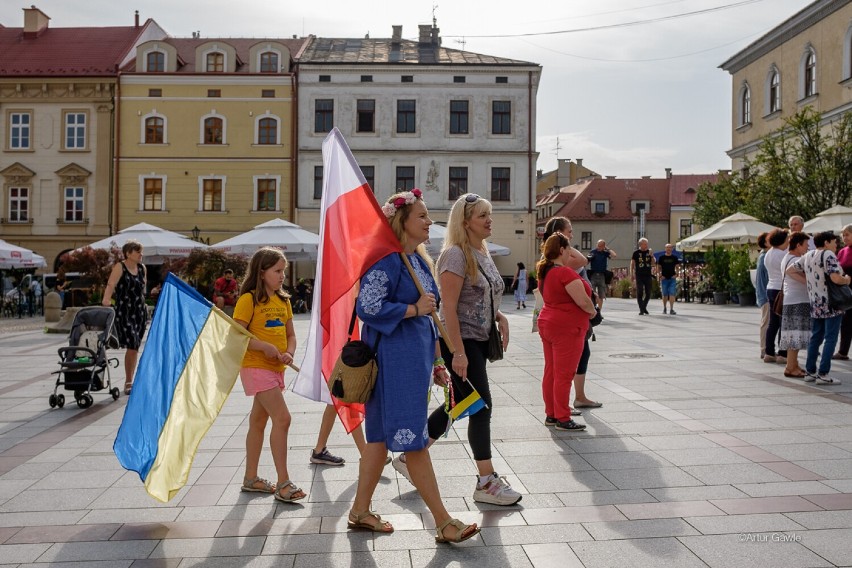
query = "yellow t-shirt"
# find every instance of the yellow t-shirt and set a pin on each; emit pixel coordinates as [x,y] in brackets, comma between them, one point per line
[267,322]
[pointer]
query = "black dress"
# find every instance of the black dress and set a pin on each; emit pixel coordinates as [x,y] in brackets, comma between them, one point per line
[131,313]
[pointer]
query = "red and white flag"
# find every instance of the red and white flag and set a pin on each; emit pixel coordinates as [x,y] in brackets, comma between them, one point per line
[354,235]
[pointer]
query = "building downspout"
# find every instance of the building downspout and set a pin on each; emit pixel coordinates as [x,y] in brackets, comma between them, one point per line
[530,165]
[294,148]
[113,194]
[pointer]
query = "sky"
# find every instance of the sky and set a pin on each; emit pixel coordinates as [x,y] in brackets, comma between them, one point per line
[630,99]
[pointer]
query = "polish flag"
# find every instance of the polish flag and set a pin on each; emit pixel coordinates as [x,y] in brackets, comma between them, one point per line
[354,234]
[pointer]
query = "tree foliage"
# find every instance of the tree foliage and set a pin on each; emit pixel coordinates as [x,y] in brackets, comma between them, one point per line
[92,264]
[802,169]
[204,266]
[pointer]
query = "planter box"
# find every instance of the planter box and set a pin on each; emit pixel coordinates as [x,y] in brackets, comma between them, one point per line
[720,298]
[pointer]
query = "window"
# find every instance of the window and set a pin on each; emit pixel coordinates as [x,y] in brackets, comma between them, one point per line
[19,130]
[459,117]
[685,228]
[323,115]
[73,204]
[406,112]
[586,240]
[75,130]
[599,207]
[211,195]
[154,130]
[745,106]
[267,131]
[267,195]
[155,62]
[214,93]
[370,175]
[501,117]
[407,79]
[810,74]
[215,62]
[404,178]
[155,92]
[501,80]
[325,78]
[500,184]
[458,182]
[267,93]
[317,182]
[366,78]
[366,115]
[152,194]
[19,204]
[775,92]
[269,62]
[213,130]
[459,79]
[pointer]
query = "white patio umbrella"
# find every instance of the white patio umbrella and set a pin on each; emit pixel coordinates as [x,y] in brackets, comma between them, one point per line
[158,244]
[296,242]
[37,261]
[13,253]
[437,234]
[738,229]
[832,219]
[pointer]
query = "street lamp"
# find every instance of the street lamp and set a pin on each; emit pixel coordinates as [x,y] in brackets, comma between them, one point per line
[195,233]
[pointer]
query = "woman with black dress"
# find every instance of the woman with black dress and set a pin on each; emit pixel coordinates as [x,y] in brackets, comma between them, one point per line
[127,286]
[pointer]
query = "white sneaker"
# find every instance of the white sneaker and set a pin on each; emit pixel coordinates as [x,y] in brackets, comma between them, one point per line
[826,380]
[401,467]
[809,377]
[496,491]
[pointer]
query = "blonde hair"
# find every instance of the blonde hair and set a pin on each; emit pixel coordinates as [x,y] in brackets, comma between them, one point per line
[463,210]
[397,223]
[264,259]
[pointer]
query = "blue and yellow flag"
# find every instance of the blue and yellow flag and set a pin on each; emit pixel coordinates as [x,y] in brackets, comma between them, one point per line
[470,402]
[190,363]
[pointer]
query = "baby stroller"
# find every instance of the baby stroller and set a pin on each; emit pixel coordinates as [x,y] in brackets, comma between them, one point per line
[83,364]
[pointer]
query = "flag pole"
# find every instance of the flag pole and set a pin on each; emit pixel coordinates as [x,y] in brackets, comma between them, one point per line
[441,330]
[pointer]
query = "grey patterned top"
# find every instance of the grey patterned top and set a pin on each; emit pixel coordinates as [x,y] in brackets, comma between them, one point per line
[474,307]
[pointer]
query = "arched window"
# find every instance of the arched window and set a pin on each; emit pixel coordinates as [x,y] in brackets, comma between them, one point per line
[846,72]
[215,62]
[810,75]
[154,130]
[269,62]
[213,130]
[774,91]
[267,131]
[745,106]
[155,62]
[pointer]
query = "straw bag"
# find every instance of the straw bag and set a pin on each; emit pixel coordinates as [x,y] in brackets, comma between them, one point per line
[354,373]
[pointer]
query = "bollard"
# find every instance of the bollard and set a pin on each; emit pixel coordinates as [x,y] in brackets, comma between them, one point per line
[52,307]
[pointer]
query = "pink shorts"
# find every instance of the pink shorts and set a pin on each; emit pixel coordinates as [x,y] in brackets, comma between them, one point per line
[258,380]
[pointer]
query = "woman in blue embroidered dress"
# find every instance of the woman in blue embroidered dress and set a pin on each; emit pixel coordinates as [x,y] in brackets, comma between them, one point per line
[408,354]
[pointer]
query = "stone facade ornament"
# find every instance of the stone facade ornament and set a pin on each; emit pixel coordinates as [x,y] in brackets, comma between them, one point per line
[432,177]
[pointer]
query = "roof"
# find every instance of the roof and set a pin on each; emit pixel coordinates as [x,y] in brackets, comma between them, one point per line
[619,193]
[66,52]
[186,50]
[683,188]
[402,52]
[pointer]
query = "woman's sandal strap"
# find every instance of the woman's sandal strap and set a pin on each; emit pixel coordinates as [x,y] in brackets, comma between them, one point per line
[460,535]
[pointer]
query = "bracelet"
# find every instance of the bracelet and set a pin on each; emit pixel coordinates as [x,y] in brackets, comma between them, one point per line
[460,355]
[416,310]
[439,361]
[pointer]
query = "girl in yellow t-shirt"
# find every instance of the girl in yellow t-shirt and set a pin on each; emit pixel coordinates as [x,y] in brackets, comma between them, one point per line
[264,309]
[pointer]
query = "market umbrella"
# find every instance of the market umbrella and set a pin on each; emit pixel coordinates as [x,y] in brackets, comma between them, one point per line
[12,254]
[436,240]
[738,229]
[296,242]
[158,244]
[37,261]
[832,219]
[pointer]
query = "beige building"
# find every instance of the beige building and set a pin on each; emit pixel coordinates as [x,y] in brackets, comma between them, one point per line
[804,61]
[57,89]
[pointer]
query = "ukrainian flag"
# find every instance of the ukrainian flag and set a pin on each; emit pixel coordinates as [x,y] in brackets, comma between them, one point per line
[470,402]
[190,363]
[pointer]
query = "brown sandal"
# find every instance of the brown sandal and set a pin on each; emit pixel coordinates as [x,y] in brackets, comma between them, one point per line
[462,534]
[288,496]
[356,521]
[250,485]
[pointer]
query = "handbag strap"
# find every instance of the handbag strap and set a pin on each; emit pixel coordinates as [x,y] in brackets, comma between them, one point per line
[490,294]
[352,328]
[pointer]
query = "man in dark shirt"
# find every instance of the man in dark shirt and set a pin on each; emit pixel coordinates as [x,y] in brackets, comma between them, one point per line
[598,268]
[668,282]
[642,265]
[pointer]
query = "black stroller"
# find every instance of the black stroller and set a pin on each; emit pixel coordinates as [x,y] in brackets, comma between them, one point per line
[84,364]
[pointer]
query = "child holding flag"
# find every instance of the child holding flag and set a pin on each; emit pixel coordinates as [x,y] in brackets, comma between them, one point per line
[264,309]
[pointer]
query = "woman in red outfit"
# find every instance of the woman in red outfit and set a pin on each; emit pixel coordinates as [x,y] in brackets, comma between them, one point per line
[562,325]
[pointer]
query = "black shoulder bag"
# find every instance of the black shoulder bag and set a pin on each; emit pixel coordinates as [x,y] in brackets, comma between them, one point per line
[495,340]
[839,295]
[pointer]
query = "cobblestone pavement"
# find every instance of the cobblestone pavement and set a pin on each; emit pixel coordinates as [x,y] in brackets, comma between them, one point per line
[702,455]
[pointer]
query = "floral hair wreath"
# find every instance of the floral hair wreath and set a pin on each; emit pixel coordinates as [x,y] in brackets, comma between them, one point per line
[406,198]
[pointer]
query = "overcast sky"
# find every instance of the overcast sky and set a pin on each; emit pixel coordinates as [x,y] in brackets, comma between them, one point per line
[629,100]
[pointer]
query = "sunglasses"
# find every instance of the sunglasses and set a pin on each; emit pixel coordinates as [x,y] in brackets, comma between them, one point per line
[471,198]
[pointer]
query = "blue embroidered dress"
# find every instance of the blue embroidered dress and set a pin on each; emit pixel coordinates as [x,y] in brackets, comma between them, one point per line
[396,413]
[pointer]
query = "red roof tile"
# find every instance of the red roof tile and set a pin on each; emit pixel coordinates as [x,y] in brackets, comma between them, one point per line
[619,193]
[682,188]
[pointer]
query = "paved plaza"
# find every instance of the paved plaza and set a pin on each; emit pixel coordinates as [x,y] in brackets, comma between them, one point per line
[702,455]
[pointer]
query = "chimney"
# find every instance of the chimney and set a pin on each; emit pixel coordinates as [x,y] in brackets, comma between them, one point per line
[668,173]
[436,35]
[579,162]
[646,177]
[610,177]
[425,34]
[136,18]
[35,22]
[397,34]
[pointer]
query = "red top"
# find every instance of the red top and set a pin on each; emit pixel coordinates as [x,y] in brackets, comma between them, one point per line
[844,256]
[558,304]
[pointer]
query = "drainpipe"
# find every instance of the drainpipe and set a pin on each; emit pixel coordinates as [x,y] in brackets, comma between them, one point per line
[530,165]
[114,190]
[294,148]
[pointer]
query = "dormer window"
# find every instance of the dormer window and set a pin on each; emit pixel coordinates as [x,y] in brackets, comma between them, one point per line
[600,208]
[155,62]
[269,62]
[216,62]
[637,207]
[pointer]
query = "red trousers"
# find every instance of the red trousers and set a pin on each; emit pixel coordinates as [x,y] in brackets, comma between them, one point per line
[563,346]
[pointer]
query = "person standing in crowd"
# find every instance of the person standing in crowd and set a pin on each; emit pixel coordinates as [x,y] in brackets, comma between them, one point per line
[225,289]
[772,261]
[667,267]
[127,285]
[819,264]
[642,266]
[563,323]
[519,285]
[796,318]
[797,224]
[396,320]
[598,267]
[760,281]
[844,257]
[263,308]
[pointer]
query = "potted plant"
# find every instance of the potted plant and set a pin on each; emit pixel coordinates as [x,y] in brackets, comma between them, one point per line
[718,271]
[623,287]
[739,268]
